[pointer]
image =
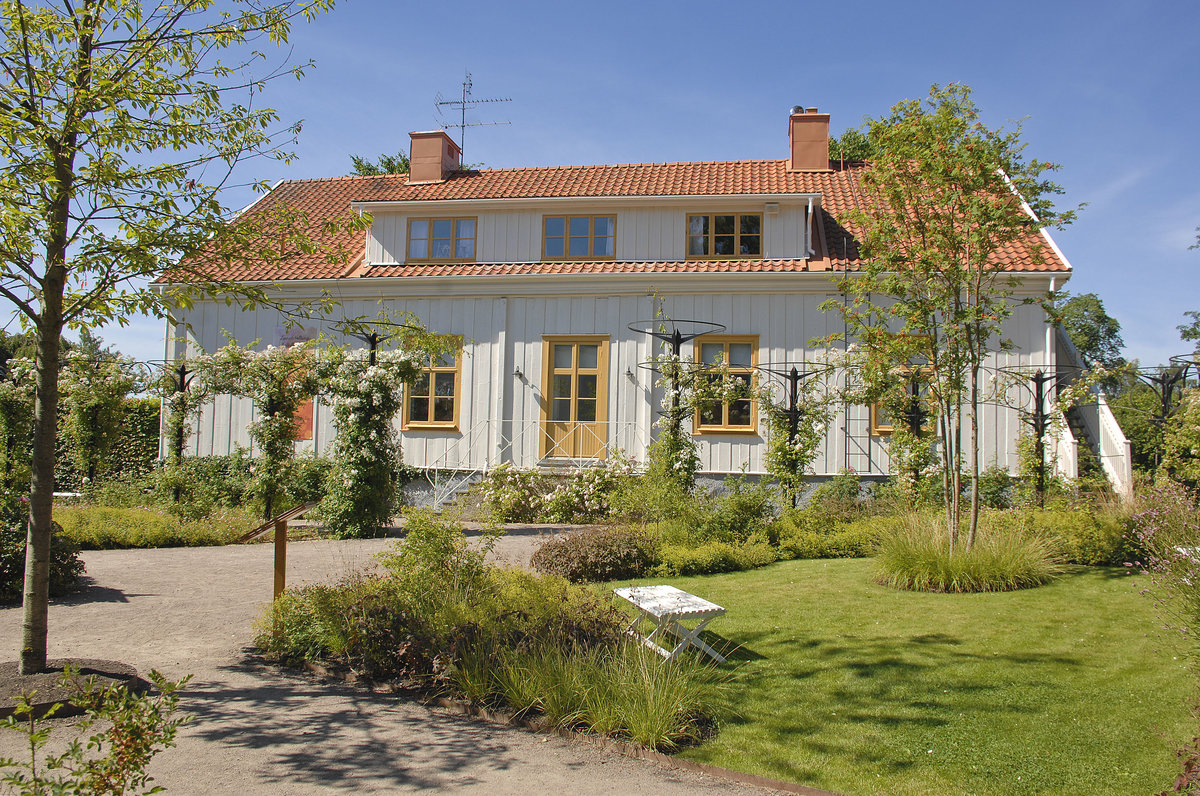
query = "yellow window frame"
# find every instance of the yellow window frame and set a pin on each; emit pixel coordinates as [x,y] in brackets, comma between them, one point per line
[591,237]
[724,427]
[549,371]
[711,236]
[430,371]
[880,427]
[429,239]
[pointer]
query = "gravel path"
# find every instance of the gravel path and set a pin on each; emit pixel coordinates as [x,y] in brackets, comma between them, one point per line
[258,730]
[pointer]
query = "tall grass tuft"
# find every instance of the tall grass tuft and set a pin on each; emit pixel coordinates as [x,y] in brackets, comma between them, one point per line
[1006,556]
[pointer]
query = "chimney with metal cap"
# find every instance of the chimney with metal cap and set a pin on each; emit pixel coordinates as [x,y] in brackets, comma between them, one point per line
[808,136]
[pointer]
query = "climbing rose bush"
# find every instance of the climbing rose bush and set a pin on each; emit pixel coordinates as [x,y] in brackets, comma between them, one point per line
[363,488]
[278,381]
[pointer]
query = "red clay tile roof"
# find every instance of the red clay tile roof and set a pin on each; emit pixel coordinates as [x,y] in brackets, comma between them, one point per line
[837,249]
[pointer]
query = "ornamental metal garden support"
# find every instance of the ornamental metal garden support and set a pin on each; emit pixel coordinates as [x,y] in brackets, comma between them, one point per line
[1168,382]
[797,426]
[669,331]
[1035,385]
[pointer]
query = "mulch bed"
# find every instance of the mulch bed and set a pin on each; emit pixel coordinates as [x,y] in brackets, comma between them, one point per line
[50,690]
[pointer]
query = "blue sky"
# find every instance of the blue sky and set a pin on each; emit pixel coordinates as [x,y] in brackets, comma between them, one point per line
[1106,89]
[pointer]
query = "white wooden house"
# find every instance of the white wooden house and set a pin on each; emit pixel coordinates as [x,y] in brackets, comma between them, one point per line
[542,271]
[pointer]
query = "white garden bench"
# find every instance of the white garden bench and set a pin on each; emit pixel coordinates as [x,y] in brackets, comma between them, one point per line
[666,608]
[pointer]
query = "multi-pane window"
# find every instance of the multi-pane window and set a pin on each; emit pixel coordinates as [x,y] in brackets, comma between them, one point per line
[441,239]
[432,399]
[883,421]
[724,235]
[738,355]
[579,237]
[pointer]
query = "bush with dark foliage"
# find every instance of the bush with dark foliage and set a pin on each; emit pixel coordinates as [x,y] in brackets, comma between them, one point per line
[596,554]
[65,566]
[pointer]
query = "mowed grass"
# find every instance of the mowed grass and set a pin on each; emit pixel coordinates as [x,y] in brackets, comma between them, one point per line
[846,685]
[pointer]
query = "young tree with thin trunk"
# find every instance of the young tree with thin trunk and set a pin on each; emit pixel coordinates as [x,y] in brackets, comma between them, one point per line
[943,195]
[121,122]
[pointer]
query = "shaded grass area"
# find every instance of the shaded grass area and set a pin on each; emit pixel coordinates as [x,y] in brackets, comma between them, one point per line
[846,685]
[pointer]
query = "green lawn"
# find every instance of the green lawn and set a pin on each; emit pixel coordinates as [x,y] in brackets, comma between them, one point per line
[845,685]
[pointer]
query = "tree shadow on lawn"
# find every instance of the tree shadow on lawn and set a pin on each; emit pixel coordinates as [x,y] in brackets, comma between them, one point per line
[864,700]
[332,734]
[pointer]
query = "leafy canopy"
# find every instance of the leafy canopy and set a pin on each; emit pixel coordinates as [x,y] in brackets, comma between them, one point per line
[1095,333]
[942,195]
[387,164]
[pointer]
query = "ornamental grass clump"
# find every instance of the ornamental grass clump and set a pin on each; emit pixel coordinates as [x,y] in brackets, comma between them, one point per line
[1006,556]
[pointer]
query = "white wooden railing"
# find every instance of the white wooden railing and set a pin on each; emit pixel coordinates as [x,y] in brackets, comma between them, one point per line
[1111,445]
[491,443]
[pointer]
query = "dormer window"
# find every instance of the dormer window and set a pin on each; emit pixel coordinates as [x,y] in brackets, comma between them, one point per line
[724,235]
[441,239]
[579,237]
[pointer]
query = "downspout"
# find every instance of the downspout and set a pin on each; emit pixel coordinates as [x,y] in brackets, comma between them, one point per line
[808,247]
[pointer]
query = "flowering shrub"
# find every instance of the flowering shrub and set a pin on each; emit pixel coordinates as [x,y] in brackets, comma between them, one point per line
[584,495]
[512,494]
[278,380]
[362,490]
[1168,531]
[181,397]
[673,455]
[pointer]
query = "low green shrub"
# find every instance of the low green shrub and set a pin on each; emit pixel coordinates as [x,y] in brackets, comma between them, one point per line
[647,499]
[710,558]
[1086,537]
[105,528]
[995,488]
[596,554]
[809,533]
[735,514]
[840,498]
[1006,556]
[66,568]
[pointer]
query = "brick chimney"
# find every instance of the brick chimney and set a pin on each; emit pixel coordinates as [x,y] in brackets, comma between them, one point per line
[432,157]
[808,135]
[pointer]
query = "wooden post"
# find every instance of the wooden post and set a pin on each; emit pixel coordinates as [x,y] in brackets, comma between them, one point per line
[280,556]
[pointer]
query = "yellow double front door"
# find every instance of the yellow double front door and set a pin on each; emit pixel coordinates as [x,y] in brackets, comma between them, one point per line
[574,397]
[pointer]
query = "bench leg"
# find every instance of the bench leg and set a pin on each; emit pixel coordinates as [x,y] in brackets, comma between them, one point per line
[692,638]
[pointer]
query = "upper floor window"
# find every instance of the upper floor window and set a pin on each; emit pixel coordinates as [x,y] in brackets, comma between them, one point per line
[739,355]
[441,239]
[724,235]
[579,237]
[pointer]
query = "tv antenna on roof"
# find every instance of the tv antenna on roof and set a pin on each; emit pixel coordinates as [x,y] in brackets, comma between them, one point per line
[465,102]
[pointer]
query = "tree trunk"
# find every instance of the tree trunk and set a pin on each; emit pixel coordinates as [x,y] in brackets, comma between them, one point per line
[41,500]
[974,456]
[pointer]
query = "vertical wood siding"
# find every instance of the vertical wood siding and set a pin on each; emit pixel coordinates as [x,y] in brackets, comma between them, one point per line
[500,412]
